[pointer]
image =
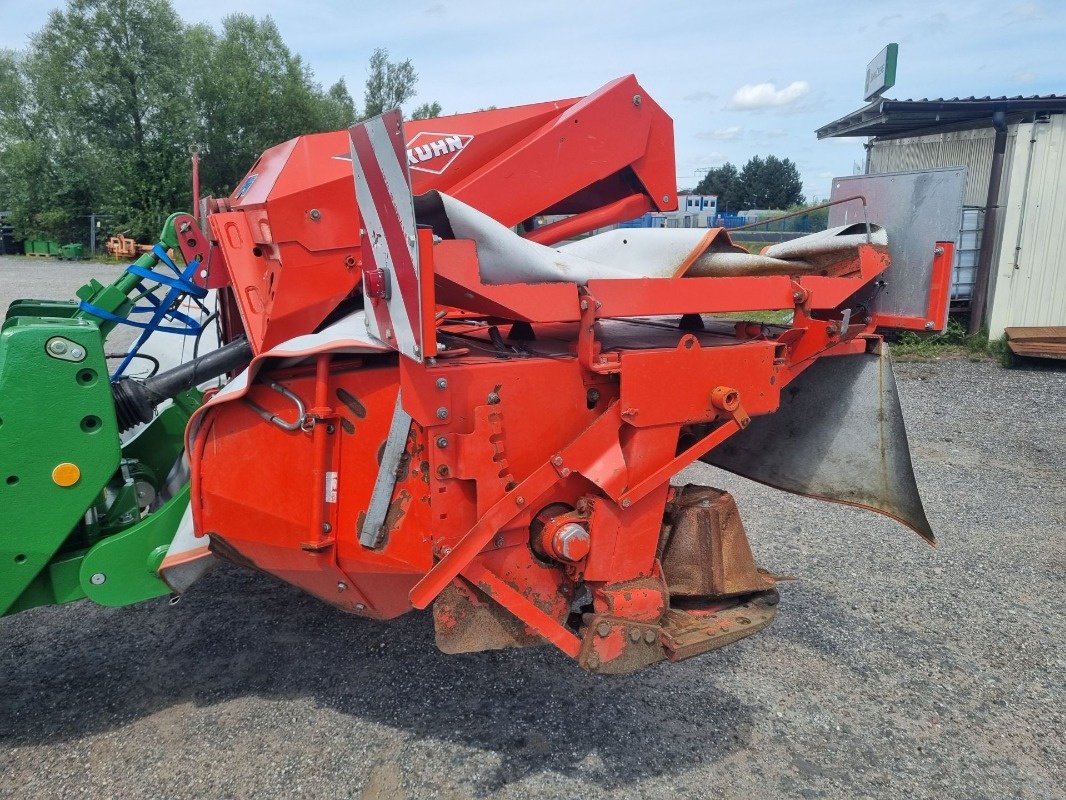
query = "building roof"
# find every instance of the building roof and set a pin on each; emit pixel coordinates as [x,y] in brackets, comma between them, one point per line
[904,117]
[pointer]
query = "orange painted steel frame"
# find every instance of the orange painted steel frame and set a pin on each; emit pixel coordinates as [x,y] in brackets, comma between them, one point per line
[496,440]
[936,312]
[581,419]
[288,237]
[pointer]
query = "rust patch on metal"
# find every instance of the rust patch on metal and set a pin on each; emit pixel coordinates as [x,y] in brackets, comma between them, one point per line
[614,646]
[466,620]
[704,549]
[690,633]
[352,402]
[397,509]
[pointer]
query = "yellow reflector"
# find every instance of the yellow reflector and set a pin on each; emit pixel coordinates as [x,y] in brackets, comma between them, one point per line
[66,474]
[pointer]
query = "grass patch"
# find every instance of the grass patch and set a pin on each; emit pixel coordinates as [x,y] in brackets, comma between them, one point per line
[954,342]
[779,317]
[754,247]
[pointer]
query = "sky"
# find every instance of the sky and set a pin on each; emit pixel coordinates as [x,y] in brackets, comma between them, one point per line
[738,79]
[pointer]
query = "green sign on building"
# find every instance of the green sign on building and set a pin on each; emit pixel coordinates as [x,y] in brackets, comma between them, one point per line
[881,72]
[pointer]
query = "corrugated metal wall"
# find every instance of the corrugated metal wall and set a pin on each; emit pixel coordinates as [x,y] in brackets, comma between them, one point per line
[1029,273]
[972,149]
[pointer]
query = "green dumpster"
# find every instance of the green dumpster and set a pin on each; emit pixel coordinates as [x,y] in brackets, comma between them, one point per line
[72,252]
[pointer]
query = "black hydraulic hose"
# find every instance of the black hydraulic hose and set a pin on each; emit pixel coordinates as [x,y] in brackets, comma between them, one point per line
[135,400]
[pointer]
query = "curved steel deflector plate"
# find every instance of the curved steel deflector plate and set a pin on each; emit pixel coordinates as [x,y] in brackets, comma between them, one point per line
[838,436]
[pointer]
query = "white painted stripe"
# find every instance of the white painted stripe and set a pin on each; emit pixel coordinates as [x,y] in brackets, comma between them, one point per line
[401,325]
[395,178]
[400,196]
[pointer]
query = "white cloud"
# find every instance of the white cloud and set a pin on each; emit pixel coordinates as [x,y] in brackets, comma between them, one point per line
[1027,11]
[720,134]
[753,96]
[700,97]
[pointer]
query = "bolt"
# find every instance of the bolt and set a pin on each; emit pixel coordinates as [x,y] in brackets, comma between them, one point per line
[97,579]
[442,442]
[442,384]
[184,227]
[797,296]
[520,501]
[442,413]
[627,503]
[360,607]
[57,346]
[493,398]
[571,542]
[649,636]
[330,428]
[417,350]
[326,527]
[442,471]
[341,586]
[593,396]
[584,305]
[634,635]
[203,273]
[315,214]
[929,325]
[77,352]
[939,251]
[498,541]
[637,99]
[666,198]
[557,461]
[604,629]
[593,661]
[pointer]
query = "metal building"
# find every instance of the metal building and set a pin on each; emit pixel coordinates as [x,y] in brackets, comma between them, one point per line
[1015,152]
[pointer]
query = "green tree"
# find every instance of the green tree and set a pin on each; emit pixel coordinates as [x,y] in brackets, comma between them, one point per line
[268,95]
[723,181]
[99,111]
[389,83]
[427,111]
[770,182]
[98,94]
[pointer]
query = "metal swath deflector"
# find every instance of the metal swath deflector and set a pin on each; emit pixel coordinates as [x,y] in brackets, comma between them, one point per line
[838,436]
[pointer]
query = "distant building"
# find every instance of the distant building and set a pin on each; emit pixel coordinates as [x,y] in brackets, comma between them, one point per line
[1022,203]
[693,211]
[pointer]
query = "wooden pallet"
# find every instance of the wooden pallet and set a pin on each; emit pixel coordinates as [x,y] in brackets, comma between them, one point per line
[1046,341]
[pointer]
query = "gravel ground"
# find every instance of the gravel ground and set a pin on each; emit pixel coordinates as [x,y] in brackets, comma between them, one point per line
[893,670]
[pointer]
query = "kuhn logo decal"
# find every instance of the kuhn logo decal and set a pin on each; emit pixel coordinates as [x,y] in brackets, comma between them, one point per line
[435,152]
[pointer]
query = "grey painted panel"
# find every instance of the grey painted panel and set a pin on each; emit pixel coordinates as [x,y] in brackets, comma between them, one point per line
[918,209]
